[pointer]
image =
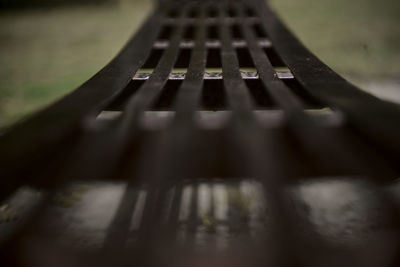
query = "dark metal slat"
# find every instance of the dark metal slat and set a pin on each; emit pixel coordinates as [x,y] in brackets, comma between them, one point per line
[371,115]
[333,156]
[110,144]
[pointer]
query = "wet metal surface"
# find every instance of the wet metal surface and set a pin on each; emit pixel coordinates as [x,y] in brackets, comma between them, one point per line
[214,138]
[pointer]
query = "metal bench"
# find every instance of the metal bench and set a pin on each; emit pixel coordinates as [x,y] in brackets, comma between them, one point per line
[213,138]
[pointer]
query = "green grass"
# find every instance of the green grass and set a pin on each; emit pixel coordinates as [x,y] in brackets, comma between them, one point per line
[46,53]
[355,38]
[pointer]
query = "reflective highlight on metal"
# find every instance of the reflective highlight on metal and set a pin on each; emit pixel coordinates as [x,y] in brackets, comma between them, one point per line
[162,44]
[211,75]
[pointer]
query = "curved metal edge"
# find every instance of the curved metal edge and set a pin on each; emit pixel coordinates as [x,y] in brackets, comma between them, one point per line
[32,139]
[374,117]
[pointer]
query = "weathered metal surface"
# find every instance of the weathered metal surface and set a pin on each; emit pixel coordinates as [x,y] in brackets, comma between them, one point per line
[213,138]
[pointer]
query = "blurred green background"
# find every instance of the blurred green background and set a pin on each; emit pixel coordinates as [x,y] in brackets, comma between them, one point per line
[48,48]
